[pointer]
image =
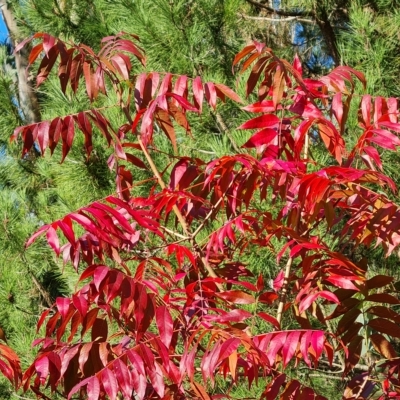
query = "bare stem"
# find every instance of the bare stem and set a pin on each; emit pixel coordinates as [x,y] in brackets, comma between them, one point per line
[366,379]
[283,294]
[306,146]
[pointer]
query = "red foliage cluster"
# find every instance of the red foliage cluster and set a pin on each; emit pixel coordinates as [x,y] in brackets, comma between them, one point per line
[175,312]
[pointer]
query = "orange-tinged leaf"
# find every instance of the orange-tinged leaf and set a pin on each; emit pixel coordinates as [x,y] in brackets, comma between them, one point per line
[278,86]
[382,346]
[164,121]
[200,390]
[236,297]
[248,49]
[233,359]
[89,79]
[35,52]
[228,92]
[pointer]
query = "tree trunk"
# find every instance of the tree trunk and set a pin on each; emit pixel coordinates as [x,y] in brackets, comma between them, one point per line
[28,101]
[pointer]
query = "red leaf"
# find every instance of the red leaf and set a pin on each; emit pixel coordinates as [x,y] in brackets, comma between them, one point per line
[122,64]
[379,281]
[93,388]
[265,106]
[248,49]
[198,93]
[110,384]
[164,121]
[78,386]
[63,304]
[341,282]
[124,378]
[264,121]
[269,318]
[227,348]
[84,355]
[67,135]
[164,324]
[199,390]
[165,84]
[46,65]
[180,87]
[276,343]
[290,347]
[272,390]
[76,71]
[19,46]
[263,137]
[211,94]
[383,298]
[268,297]
[39,232]
[53,240]
[99,276]
[183,102]
[308,300]
[89,79]
[278,281]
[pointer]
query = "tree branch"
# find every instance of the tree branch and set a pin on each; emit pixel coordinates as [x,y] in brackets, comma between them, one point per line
[322,20]
[27,96]
[283,13]
[319,15]
[287,19]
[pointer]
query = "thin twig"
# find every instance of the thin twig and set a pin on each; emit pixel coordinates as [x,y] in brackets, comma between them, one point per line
[331,330]
[328,376]
[20,397]
[42,291]
[366,379]
[210,213]
[224,129]
[175,233]
[179,215]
